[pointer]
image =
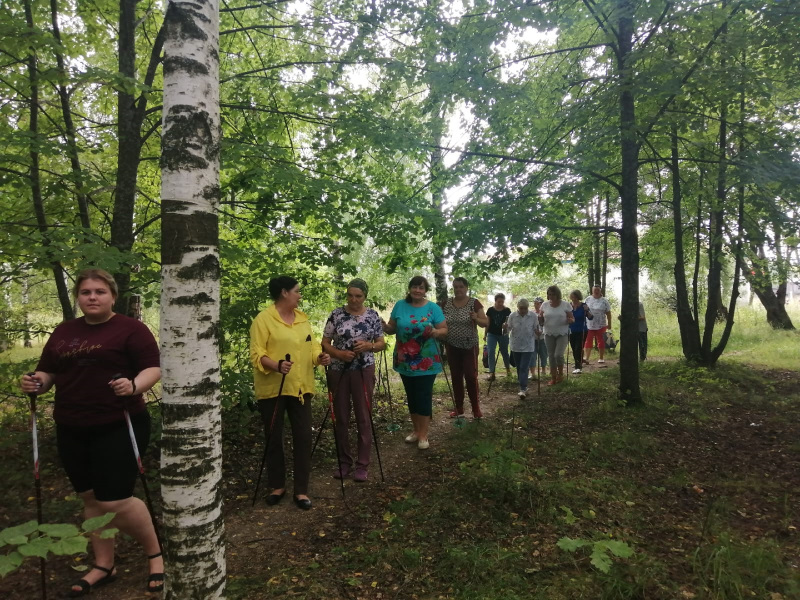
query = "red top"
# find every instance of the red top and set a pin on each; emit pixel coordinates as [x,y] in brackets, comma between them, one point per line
[85,357]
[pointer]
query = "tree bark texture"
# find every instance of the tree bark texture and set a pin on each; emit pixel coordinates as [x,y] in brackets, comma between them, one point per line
[130,118]
[191,462]
[629,148]
[687,324]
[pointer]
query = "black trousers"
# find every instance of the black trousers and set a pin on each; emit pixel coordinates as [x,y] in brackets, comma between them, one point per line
[272,411]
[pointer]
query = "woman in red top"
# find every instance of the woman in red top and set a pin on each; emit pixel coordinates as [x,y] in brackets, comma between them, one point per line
[100,365]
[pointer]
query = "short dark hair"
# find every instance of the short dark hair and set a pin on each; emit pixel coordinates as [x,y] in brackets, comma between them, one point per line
[554,291]
[415,281]
[500,296]
[462,280]
[278,284]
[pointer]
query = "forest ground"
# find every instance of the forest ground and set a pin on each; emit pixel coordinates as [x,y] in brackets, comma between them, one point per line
[702,483]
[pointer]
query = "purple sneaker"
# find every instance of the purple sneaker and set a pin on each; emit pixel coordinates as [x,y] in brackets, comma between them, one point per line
[360,474]
[344,473]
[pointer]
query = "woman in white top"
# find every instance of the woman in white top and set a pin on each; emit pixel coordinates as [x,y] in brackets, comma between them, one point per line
[556,316]
[521,326]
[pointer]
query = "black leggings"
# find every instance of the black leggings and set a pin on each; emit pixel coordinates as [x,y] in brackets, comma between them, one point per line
[576,343]
[101,458]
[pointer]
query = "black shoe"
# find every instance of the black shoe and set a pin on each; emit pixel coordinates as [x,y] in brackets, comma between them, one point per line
[305,503]
[155,578]
[86,587]
[273,499]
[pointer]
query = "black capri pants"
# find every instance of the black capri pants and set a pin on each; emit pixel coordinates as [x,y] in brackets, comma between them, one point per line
[101,458]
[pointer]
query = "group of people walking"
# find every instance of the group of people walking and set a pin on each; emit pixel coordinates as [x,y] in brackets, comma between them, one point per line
[542,334]
[102,363]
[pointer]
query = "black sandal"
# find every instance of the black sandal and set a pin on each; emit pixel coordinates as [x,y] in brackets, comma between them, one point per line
[155,577]
[86,587]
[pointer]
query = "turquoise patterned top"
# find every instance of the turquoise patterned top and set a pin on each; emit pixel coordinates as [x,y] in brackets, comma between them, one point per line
[416,352]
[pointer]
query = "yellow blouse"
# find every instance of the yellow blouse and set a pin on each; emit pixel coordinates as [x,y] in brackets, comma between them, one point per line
[270,336]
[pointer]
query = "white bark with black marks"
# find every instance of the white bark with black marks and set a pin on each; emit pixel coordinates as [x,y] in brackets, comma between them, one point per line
[191,460]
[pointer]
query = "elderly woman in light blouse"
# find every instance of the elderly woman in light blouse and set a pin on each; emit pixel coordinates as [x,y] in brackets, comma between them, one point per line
[521,327]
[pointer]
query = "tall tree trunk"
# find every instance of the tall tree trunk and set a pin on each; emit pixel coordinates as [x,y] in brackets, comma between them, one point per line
[714,306]
[687,324]
[191,461]
[629,146]
[36,188]
[758,276]
[131,112]
[128,152]
[605,244]
[437,201]
[69,128]
[598,269]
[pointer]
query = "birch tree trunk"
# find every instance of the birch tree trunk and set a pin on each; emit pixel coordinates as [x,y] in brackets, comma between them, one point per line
[191,460]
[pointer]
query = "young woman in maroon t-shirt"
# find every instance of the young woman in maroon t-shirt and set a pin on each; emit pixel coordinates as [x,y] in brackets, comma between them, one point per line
[83,360]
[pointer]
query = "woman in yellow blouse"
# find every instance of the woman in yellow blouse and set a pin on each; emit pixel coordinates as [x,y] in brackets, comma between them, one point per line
[280,330]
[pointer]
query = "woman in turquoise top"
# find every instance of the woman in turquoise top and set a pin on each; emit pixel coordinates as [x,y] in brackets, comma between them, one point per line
[418,323]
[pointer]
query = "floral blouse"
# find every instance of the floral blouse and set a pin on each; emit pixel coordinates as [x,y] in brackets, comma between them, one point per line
[344,329]
[416,352]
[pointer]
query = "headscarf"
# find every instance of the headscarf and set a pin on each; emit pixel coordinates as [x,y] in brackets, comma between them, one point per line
[360,284]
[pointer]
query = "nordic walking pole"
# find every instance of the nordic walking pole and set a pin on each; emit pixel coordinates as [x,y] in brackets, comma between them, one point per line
[538,374]
[333,420]
[269,433]
[459,418]
[135,447]
[37,482]
[393,426]
[372,424]
[491,381]
[321,429]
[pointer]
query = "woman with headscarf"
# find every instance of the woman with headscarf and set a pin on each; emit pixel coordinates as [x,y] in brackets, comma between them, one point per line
[418,323]
[285,384]
[353,333]
[463,315]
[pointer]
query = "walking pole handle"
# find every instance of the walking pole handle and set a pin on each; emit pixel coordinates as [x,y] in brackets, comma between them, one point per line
[283,378]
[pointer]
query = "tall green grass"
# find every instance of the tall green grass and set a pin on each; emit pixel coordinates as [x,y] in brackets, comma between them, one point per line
[752,340]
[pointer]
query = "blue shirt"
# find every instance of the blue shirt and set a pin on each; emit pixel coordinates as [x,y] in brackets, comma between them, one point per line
[580,319]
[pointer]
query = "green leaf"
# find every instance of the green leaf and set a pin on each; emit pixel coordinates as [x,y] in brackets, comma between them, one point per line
[570,545]
[107,534]
[97,522]
[69,546]
[13,535]
[618,548]
[39,546]
[9,563]
[600,559]
[60,530]
[17,540]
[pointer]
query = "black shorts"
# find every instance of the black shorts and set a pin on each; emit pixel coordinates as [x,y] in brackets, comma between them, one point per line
[101,457]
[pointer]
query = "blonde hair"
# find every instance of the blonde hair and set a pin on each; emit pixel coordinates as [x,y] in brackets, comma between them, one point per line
[99,275]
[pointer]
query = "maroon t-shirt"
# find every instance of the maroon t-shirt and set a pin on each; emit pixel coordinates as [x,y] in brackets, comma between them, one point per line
[84,358]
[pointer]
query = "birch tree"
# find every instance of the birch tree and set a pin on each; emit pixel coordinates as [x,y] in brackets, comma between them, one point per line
[191,461]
